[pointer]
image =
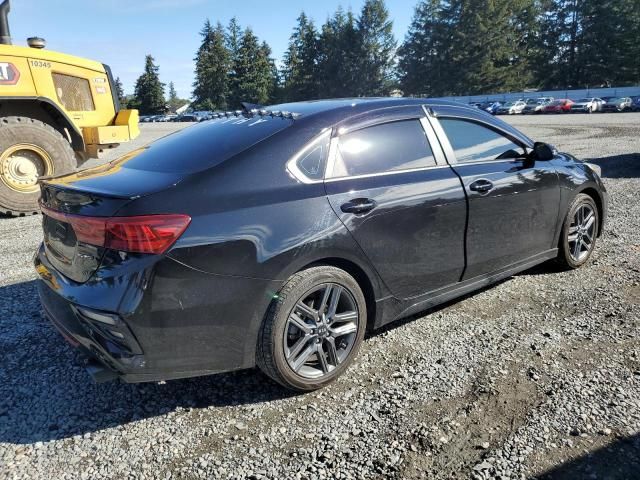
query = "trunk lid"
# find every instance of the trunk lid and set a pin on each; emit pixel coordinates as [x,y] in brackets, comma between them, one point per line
[74,259]
[102,191]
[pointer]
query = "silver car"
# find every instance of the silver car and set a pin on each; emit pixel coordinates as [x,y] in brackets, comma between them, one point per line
[587,105]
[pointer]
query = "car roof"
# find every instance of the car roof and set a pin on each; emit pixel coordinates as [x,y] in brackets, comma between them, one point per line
[319,114]
[357,105]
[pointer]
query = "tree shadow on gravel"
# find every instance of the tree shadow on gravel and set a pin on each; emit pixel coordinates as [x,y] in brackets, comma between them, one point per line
[619,460]
[618,166]
[45,393]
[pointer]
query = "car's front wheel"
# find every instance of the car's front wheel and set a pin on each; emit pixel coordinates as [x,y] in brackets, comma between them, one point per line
[579,232]
[313,329]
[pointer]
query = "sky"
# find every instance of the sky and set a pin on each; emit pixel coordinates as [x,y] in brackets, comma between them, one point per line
[121,32]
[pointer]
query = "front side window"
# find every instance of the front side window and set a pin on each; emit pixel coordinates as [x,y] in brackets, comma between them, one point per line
[383,148]
[472,142]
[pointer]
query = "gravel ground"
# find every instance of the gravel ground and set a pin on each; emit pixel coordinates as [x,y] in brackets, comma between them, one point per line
[536,377]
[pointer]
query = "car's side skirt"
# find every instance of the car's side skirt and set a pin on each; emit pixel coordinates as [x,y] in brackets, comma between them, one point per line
[437,297]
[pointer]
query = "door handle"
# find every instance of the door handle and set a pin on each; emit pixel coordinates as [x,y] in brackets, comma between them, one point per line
[358,206]
[481,186]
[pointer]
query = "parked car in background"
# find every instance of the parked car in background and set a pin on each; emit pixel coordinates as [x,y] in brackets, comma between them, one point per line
[535,107]
[493,107]
[635,103]
[187,117]
[277,238]
[562,105]
[512,108]
[617,104]
[587,105]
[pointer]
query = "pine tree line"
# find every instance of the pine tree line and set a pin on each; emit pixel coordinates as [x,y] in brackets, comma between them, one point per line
[462,47]
[232,66]
[453,47]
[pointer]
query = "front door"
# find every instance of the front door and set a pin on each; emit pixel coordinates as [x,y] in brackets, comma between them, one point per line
[513,201]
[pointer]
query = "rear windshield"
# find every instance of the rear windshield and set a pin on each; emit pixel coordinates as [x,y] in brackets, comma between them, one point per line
[205,145]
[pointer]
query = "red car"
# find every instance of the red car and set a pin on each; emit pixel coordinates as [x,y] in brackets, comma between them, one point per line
[562,105]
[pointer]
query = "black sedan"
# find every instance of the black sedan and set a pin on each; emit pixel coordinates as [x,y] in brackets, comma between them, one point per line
[276,237]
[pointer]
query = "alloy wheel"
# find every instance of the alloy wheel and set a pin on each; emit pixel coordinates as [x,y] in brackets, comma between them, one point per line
[321,330]
[581,232]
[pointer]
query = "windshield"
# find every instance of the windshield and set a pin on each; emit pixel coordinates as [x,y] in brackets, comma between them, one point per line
[614,99]
[510,104]
[584,100]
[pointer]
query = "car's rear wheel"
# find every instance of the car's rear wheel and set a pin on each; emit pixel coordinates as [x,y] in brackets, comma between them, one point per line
[579,232]
[313,329]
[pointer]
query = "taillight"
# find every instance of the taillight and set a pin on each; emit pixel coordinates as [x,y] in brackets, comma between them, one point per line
[139,234]
[145,234]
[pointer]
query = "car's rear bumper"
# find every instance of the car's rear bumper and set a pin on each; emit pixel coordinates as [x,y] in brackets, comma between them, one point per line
[170,321]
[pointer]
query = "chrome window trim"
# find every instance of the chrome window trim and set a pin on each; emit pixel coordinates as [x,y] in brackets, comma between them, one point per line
[292,163]
[382,174]
[449,152]
[438,155]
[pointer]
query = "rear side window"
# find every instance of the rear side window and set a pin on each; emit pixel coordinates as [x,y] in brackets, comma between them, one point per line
[472,142]
[312,160]
[383,148]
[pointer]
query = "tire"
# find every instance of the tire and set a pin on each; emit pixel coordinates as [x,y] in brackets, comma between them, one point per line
[567,256]
[275,358]
[45,146]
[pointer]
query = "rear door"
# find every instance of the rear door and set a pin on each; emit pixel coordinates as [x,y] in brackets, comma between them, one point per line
[390,185]
[513,202]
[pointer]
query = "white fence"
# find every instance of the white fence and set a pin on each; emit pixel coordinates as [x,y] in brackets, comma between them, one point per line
[572,94]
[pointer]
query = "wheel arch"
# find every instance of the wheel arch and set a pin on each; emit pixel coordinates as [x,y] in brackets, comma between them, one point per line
[45,110]
[597,198]
[359,274]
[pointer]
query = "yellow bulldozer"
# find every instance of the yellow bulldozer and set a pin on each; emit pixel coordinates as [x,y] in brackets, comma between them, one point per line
[56,111]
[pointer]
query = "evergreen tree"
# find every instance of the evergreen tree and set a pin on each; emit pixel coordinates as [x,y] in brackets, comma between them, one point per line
[174,102]
[300,72]
[274,90]
[420,64]
[376,46]
[173,95]
[149,90]
[253,70]
[119,91]
[338,56]
[468,47]
[233,39]
[211,87]
[607,44]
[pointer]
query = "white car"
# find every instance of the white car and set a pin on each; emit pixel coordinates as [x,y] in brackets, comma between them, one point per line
[587,105]
[512,108]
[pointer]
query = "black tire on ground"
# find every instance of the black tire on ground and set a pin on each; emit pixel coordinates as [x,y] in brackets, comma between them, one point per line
[270,355]
[564,253]
[24,130]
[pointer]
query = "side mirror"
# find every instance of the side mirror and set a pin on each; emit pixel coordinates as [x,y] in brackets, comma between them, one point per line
[543,151]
